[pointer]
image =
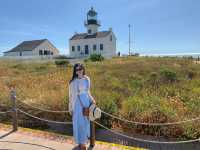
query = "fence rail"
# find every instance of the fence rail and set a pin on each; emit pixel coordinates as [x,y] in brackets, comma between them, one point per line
[41,119]
[5,112]
[41,109]
[151,124]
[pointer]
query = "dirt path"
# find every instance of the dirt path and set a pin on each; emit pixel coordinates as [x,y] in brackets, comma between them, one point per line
[19,141]
[28,139]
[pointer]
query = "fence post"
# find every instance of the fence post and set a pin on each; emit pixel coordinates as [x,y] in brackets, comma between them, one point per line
[92,134]
[14,108]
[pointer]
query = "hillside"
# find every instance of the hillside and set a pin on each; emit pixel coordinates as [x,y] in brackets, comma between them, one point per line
[156,90]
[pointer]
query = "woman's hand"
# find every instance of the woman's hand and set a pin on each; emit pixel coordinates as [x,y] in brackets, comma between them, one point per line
[94,102]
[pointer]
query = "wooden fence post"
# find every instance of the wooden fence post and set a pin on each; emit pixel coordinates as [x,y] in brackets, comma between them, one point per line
[92,134]
[14,108]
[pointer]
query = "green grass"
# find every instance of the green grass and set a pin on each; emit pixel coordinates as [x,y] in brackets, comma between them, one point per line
[144,89]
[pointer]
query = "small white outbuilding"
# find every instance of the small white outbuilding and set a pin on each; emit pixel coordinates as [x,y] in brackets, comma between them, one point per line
[33,49]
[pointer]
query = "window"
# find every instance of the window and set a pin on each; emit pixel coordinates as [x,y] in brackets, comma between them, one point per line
[78,48]
[40,52]
[101,46]
[73,48]
[20,53]
[45,52]
[94,47]
[89,31]
[86,49]
[51,53]
[111,38]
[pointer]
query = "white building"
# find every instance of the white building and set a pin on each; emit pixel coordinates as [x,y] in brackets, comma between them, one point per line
[85,44]
[33,49]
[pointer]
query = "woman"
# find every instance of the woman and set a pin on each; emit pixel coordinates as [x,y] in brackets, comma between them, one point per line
[80,84]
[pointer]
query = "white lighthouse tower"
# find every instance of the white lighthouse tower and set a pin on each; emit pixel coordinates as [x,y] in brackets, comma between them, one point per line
[92,23]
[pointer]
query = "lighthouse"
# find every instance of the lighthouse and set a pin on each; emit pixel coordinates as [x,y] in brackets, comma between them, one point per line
[93,41]
[92,24]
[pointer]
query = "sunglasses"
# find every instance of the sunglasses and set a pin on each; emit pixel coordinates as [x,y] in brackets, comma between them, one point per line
[78,69]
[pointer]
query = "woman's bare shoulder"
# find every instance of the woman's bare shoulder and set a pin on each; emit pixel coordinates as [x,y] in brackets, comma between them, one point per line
[87,77]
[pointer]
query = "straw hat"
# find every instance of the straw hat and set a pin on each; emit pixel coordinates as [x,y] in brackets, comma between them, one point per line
[94,113]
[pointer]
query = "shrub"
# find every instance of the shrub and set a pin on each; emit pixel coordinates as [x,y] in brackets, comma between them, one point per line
[191,131]
[96,57]
[62,63]
[135,82]
[190,74]
[86,60]
[19,66]
[107,104]
[41,68]
[168,75]
[153,79]
[61,57]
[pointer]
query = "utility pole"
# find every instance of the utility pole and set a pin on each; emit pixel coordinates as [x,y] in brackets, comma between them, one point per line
[129,27]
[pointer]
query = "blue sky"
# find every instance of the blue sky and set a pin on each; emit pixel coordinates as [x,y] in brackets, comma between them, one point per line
[159,26]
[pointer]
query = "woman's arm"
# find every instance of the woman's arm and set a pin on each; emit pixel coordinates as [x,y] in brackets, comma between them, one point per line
[70,99]
[89,93]
[92,98]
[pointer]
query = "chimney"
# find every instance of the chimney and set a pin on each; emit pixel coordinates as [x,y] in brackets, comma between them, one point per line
[110,29]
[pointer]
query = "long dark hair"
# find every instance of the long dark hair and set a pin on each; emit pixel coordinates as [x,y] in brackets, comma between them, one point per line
[74,71]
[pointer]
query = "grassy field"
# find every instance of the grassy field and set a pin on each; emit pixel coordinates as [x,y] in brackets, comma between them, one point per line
[143,89]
